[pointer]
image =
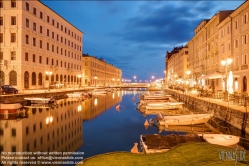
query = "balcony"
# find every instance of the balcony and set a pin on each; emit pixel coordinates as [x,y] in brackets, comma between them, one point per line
[244,67]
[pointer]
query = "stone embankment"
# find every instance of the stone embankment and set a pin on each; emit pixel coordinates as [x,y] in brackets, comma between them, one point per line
[230,113]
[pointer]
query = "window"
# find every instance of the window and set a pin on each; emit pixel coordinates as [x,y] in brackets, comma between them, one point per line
[48,19]
[1,55]
[13,55]
[244,59]
[34,41]
[58,25]
[53,35]
[65,41]
[13,37]
[27,6]
[57,37]
[41,29]
[13,20]
[47,32]
[47,46]
[40,43]
[236,24]
[244,39]
[245,18]
[27,130]
[236,43]
[27,22]
[41,15]
[52,48]
[13,132]
[40,59]
[33,57]
[34,11]
[26,56]
[1,4]
[62,27]
[52,62]
[13,3]
[52,21]
[27,39]
[65,30]
[47,61]
[1,37]
[1,20]
[34,26]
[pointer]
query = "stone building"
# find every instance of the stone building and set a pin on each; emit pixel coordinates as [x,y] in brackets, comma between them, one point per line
[97,72]
[223,36]
[35,40]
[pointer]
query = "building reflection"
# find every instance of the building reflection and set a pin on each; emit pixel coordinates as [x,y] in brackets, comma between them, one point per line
[93,107]
[45,129]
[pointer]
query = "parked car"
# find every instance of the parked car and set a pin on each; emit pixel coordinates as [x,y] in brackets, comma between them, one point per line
[56,85]
[8,89]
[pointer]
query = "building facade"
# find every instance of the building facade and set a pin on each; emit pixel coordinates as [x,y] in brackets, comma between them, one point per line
[177,62]
[38,46]
[223,36]
[97,72]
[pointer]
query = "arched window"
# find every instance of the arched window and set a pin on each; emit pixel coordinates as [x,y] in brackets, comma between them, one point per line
[244,84]
[61,78]
[13,78]
[68,78]
[71,78]
[33,78]
[57,77]
[40,79]
[65,78]
[26,79]
[2,78]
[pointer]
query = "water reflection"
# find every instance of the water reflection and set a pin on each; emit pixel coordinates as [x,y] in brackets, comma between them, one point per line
[46,129]
[93,107]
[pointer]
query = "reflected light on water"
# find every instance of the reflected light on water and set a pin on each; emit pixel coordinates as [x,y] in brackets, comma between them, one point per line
[79,108]
[113,95]
[96,101]
[49,119]
[118,93]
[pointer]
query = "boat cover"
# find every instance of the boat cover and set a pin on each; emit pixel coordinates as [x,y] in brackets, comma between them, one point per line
[169,141]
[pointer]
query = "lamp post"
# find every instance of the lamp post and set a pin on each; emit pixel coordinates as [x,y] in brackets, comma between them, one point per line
[79,77]
[49,73]
[226,63]
[188,73]
[95,78]
[175,77]
[134,78]
[152,77]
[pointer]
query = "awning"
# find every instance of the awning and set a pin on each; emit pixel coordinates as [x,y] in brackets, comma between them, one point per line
[215,75]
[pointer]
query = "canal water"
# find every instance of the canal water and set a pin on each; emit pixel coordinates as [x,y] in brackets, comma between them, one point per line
[91,127]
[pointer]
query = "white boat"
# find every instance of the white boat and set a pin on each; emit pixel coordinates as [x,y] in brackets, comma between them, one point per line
[10,106]
[74,95]
[164,106]
[157,97]
[99,92]
[162,143]
[191,119]
[39,100]
[221,139]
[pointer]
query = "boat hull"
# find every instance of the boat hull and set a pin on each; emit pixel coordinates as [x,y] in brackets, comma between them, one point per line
[185,119]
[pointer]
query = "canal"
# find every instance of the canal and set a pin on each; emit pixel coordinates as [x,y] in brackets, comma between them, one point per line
[92,127]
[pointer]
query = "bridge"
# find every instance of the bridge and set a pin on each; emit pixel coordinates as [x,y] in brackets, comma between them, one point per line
[134,85]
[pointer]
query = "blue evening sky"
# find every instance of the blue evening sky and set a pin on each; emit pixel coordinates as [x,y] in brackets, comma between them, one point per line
[135,35]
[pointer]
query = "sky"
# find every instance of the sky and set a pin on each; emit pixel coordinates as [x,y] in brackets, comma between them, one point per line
[133,35]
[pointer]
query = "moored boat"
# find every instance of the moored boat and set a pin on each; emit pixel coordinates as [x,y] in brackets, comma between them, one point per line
[39,100]
[221,139]
[162,143]
[191,119]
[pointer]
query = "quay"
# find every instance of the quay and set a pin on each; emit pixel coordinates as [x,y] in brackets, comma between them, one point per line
[228,112]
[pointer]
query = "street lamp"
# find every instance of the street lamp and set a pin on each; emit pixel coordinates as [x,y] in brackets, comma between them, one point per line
[152,78]
[226,63]
[95,77]
[79,77]
[134,78]
[175,77]
[49,73]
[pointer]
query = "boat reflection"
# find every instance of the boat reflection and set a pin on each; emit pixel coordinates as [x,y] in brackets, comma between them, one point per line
[57,128]
[94,106]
